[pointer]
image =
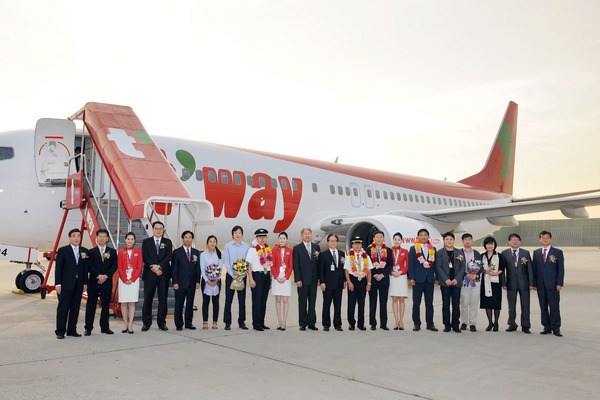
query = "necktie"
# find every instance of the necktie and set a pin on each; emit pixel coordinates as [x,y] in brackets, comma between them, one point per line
[157,246]
[308,250]
[545,254]
[379,254]
[515,257]
[335,257]
[187,252]
[76,255]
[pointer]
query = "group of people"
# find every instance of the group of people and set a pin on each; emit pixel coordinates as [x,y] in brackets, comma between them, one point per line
[467,279]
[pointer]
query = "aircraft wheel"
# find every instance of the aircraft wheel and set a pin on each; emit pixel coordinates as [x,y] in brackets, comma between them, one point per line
[43,293]
[31,281]
[18,279]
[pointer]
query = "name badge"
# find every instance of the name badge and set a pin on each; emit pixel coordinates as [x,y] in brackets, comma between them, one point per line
[332,267]
[450,265]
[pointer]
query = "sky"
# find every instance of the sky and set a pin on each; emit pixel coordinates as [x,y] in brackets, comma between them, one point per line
[415,87]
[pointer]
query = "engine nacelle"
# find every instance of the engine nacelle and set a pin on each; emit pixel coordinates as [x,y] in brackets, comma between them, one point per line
[390,224]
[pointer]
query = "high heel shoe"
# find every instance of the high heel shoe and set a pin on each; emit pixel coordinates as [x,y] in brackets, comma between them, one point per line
[205,325]
[495,327]
[215,325]
[125,331]
[489,327]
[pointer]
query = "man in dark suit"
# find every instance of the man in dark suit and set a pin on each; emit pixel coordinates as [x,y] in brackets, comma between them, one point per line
[70,280]
[549,273]
[186,279]
[102,266]
[333,278]
[156,252]
[383,262]
[519,279]
[421,276]
[450,271]
[306,271]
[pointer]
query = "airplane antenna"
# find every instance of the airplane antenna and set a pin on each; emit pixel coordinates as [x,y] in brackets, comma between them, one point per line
[336,159]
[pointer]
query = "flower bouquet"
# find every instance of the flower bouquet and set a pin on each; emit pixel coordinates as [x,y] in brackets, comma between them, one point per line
[240,269]
[213,273]
[473,268]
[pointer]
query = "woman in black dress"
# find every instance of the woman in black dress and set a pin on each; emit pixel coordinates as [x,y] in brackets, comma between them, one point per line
[491,282]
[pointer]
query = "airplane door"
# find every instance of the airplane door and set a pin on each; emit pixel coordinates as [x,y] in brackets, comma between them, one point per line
[355,195]
[369,197]
[53,145]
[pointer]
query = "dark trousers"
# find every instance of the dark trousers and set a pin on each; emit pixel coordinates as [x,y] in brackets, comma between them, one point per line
[380,290]
[105,293]
[357,296]
[229,294]
[184,295]
[420,289]
[260,293]
[511,296]
[335,296]
[68,310]
[549,307]
[307,299]
[150,286]
[451,294]
[206,299]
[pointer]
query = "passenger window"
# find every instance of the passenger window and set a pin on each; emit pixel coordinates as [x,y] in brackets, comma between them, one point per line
[274,183]
[355,191]
[410,197]
[199,176]
[261,182]
[347,191]
[284,184]
[237,178]
[249,180]
[212,176]
[369,193]
[377,193]
[295,187]
[340,190]
[224,178]
[332,189]
[391,195]
[185,173]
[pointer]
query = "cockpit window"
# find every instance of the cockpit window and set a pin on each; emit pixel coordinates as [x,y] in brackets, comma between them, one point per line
[6,153]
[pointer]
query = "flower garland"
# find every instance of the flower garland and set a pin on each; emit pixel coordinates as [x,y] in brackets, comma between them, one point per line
[381,262]
[430,251]
[354,265]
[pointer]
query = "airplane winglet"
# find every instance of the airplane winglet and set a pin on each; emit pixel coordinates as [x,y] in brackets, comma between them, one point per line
[498,173]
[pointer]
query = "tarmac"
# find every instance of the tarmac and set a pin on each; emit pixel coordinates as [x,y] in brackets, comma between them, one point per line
[219,364]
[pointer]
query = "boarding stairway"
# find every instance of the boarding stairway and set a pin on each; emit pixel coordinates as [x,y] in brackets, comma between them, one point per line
[125,184]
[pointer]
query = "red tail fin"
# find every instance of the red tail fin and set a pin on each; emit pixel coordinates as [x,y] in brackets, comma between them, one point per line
[499,170]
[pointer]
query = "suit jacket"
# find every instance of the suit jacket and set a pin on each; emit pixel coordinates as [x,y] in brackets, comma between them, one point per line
[550,273]
[186,273]
[521,276]
[277,262]
[332,279]
[442,266]
[306,268]
[163,258]
[389,264]
[100,266]
[68,272]
[417,271]
[136,264]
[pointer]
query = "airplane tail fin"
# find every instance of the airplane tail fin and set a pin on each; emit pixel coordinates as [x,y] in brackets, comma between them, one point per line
[498,173]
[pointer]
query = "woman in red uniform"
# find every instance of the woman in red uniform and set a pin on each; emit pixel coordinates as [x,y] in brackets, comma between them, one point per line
[130,269]
[281,286]
[398,280]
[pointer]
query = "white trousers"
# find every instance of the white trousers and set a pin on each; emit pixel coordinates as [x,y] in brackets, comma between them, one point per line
[469,304]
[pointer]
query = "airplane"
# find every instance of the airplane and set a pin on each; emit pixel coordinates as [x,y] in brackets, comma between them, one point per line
[257,189]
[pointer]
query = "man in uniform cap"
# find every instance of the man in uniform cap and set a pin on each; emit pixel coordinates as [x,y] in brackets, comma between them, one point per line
[260,259]
[358,267]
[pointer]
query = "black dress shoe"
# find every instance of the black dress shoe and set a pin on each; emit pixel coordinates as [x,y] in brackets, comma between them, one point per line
[87,332]
[145,328]
[432,328]
[463,327]
[351,327]
[447,329]
[545,332]
[472,328]
[266,328]
[60,336]
[74,334]
[313,328]
[179,328]
[227,327]
[302,328]
[557,333]
[511,329]
[373,327]
[108,332]
[384,327]
[417,328]
[163,328]
[526,330]
[191,327]
[326,328]
[339,329]
[362,328]
[456,329]
[258,328]
[244,327]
